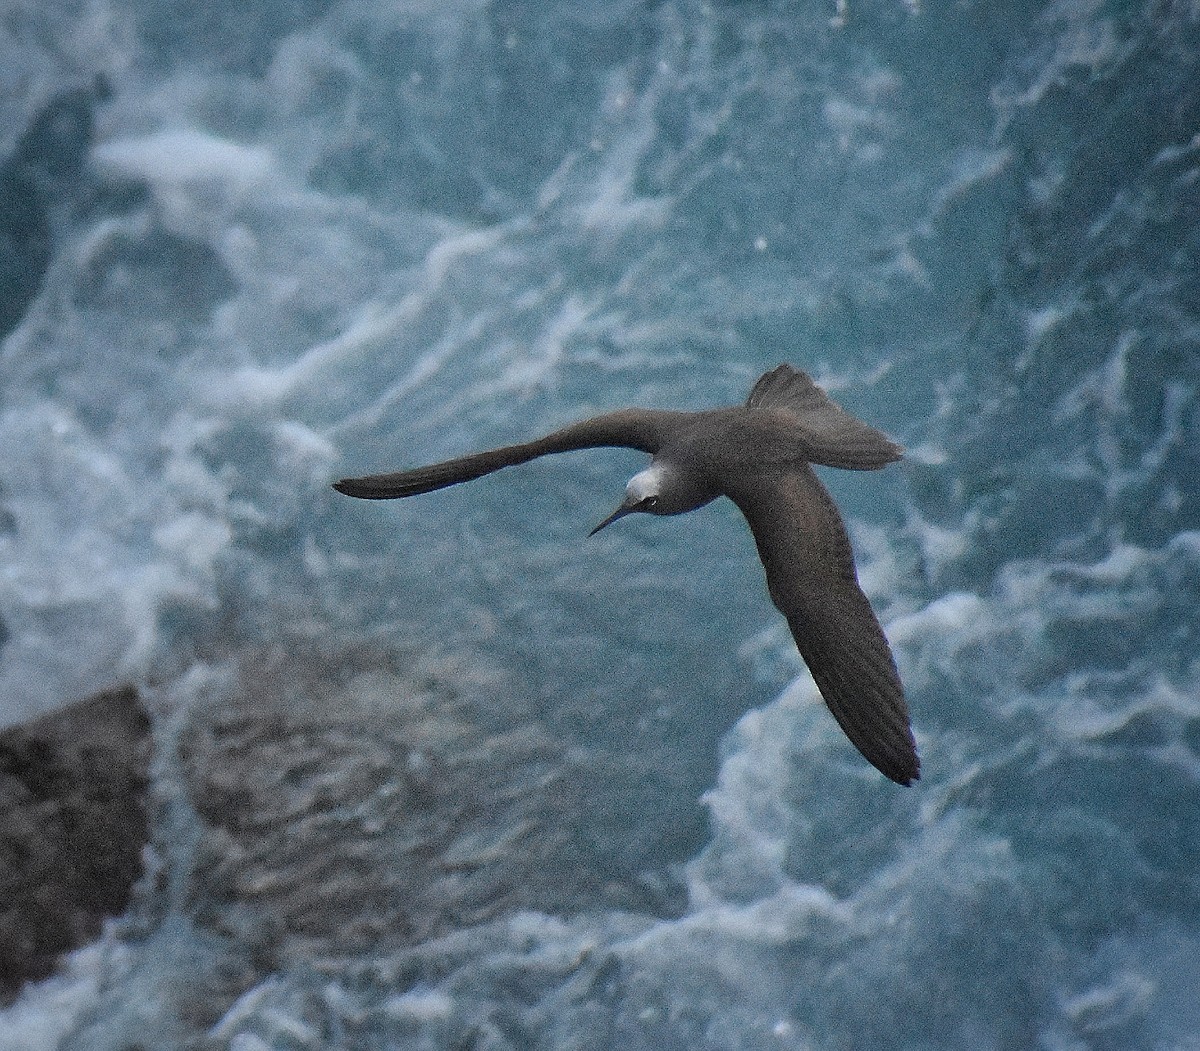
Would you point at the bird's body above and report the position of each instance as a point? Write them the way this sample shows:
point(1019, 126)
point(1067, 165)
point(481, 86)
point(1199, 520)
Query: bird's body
point(758, 455)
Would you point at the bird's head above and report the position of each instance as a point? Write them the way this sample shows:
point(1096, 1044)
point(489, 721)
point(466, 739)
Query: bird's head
point(643, 493)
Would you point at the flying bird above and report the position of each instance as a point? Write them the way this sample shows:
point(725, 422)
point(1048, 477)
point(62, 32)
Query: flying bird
point(759, 455)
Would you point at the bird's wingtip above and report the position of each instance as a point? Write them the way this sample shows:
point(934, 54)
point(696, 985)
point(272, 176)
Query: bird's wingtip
point(907, 773)
point(361, 488)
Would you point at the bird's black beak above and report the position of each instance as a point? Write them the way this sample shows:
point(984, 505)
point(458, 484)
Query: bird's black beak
point(620, 512)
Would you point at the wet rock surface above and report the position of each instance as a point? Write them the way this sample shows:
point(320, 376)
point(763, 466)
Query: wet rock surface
point(382, 816)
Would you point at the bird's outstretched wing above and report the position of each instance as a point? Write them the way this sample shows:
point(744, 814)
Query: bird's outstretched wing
point(832, 436)
point(644, 429)
point(811, 577)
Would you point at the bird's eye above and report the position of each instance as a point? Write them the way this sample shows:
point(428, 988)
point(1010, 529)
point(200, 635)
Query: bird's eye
point(648, 503)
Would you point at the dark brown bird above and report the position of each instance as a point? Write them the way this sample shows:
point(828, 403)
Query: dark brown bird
point(759, 455)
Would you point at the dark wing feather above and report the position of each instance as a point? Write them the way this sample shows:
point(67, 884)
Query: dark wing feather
point(832, 436)
point(811, 577)
point(644, 429)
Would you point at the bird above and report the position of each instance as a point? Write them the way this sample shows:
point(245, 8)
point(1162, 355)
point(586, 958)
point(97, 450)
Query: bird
point(760, 455)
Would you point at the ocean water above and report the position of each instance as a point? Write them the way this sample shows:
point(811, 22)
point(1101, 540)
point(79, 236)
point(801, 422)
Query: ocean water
point(542, 793)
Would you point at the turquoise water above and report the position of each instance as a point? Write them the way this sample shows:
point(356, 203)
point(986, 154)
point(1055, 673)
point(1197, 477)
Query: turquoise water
point(249, 253)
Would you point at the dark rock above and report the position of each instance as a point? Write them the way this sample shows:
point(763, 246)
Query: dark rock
point(44, 170)
point(25, 241)
point(72, 827)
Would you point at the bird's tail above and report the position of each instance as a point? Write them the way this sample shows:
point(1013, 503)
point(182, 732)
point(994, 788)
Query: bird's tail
point(829, 434)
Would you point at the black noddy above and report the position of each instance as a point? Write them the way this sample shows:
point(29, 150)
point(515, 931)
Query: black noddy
point(759, 455)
